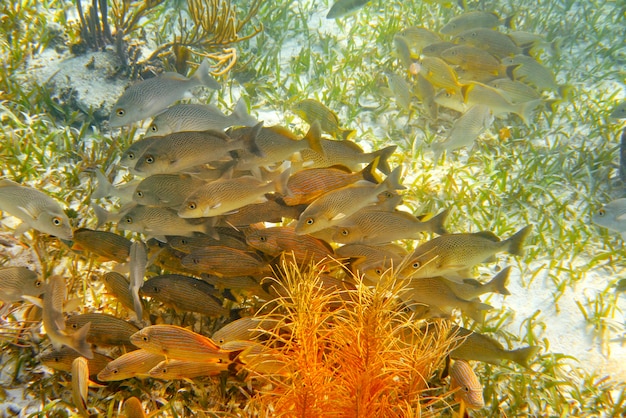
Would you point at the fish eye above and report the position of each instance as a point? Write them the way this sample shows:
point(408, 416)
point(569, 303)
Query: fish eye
point(74, 326)
point(57, 221)
point(128, 219)
point(145, 338)
point(115, 371)
point(474, 34)
point(156, 289)
point(195, 260)
point(601, 212)
point(345, 232)
point(416, 265)
point(154, 128)
point(378, 271)
point(262, 238)
point(309, 221)
point(149, 159)
point(466, 388)
point(38, 283)
point(191, 205)
point(120, 112)
point(139, 193)
point(184, 241)
point(131, 155)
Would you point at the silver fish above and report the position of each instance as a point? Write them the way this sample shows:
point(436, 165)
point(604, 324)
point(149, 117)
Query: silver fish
point(138, 265)
point(612, 216)
point(18, 281)
point(465, 130)
point(166, 190)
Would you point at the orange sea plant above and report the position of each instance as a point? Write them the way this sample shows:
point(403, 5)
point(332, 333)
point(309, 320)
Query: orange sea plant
point(350, 353)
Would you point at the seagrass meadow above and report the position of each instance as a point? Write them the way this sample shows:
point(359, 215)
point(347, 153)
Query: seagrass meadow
point(324, 338)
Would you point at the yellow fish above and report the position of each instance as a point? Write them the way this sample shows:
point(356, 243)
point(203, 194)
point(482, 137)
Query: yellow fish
point(439, 74)
point(311, 110)
point(276, 240)
point(466, 385)
point(80, 384)
point(496, 43)
point(166, 190)
point(62, 359)
point(183, 369)
point(225, 262)
point(472, 20)
point(132, 364)
point(348, 154)
point(133, 408)
point(18, 281)
point(106, 245)
point(105, 329)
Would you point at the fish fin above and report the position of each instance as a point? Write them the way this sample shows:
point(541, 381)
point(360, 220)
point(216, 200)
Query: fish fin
point(522, 356)
point(29, 211)
point(102, 215)
point(526, 109)
point(34, 300)
point(79, 341)
point(510, 71)
point(346, 134)
point(516, 242)
point(498, 283)
point(215, 206)
point(314, 136)
point(203, 76)
point(508, 22)
point(465, 89)
point(369, 172)
point(240, 115)
point(475, 310)
point(160, 238)
point(437, 223)
point(280, 184)
point(392, 182)
point(21, 228)
point(384, 154)
point(487, 235)
point(338, 217)
point(103, 186)
point(249, 140)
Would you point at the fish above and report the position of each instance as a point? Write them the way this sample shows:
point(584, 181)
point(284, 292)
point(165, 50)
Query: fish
point(466, 385)
point(457, 253)
point(612, 216)
point(54, 323)
point(528, 70)
point(471, 345)
point(133, 408)
point(479, 93)
point(104, 330)
point(496, 43)
point(469, 289)
point(16, 282)
point(224, 262)
point(311, 110)
point(276, 144)
point(198, 117)
point(372, 225)
point(178, 343)
point(242, 329)
point(465, 130)
point(227, 195)
point(166, 190)
point(403, 51)
point(400, 89)
point(372, 261)
point(132, 364)
point(440, 298)
point(227, 237)
point(328, 209)
point(276, 240)
point(419, 37)
point(159, 222)
point(472, 20)
point(439, 74)
point(131, 155)
point(304, 186)
point(514, 91)
point(348, 154)
point(619, 111)
point(185, 293)
point(35, 209)
point(437, 49)
point(62, 358)
point(451, 100)
point(118, 286)
point(80, 384)
point(138, 265)
point(180, 151)
point(104, 188)
point(106, 245)
point(152, 96)
point(274, 210)
point(470, 57)
point(425, 92)
point(342, 8)
point(183, 369)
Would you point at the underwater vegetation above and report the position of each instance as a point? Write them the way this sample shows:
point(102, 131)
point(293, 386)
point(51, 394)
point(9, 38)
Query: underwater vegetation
point(299, 334)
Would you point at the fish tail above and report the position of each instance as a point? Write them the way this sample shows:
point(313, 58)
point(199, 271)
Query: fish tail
point(369, 172)
point(526, 109)
point(392, 182)
point(475, 310)
point(79, 341)
point(314, 136)
point(516, 242)
point(250, 140)
point(510, 71)
point(438, 149)
point(104, 188)
point(499, 281)
point(347, 133)
point(240, 115)
point(522, 356)
point(280, 184)
point(204, 77)
point(508, 22)
point(102, 215)
point(437, 223)
point(384, 154)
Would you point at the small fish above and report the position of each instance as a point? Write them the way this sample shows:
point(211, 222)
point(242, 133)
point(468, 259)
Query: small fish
point(151, 97)
point(612, 216)
point(226, 195)
point(419, 37)
point(158, 222)
point(514, 91)
point(528, 70)
point(198, 117)
point(348, 154)
point(273, 210)
point(328, 209)
point(496, 43)
point(62, 358)
point(180, 151)
point(138, 265)
point(36, 209)
point(342, 8)
point(184, 369)
point(478, 93)
point(372, 260)
point(311, 110)
point(276, 240)
point(242, 329)
point(470, 57)
point(54, 323)
point(227, 237)
point(439, 74)
point(104, 330)
point(400, 89)
point(440, 298)
point(132, 364)
point(425, 92)
point(80, 384)
point(224, 262)
point(18, 281)
point(465, 130)
point(437, 49)
point(184, 293)
point(118, 286)
point(474, 346)
point(469, 289)
point(472, 20)
point(106, 245)
point(133, 408)
point(133, 153)
point(166, 190)
point(464, 381)
point(403, 51)
point(457, 253)
point(178, 343)
point(305, 186)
